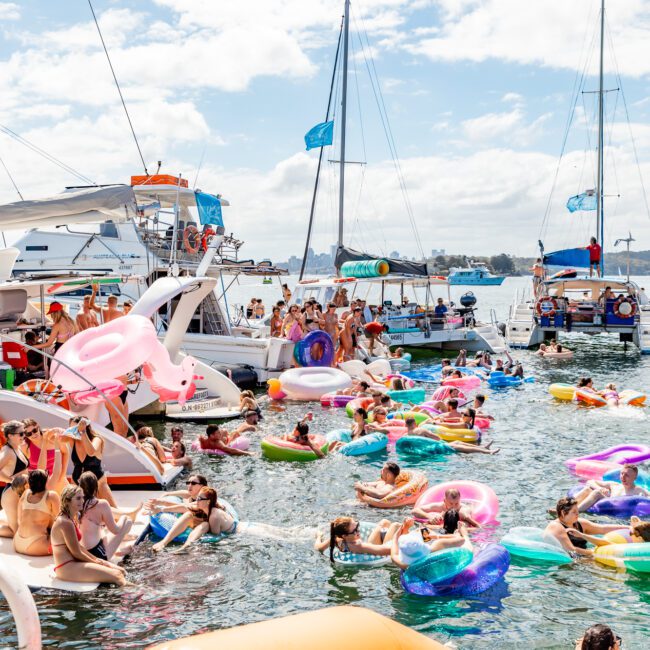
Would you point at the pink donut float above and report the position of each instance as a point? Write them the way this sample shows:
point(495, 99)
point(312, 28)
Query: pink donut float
point(619, 454)
point(338, 401)
point(468, 381)
point(443, 393)
point(594, 469)
point(242, 443)
point(480, 497)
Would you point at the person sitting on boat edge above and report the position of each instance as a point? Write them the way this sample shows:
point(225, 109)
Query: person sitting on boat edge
point(434, 512)
point(381, 488)
point(408, 547)
point(72, 561)
point(457, 445)
point(37, 510)
point(568, 527)
point(344, 535)
point(205, 515)
point(594, 491)
point(219, 439)
point(9, 503)
point(13, 460)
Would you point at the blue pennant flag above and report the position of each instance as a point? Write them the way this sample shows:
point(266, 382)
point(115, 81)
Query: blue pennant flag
point(209, 209)
point(320, 135)
point(584, 201)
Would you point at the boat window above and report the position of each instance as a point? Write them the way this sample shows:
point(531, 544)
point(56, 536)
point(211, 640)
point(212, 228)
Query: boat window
point(37, 248)
point(108, 229)
point(106, 290)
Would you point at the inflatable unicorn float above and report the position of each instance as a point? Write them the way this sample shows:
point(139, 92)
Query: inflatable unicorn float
point(94, 363)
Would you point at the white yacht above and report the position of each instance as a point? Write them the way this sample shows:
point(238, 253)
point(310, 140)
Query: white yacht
point(144, 232)
point(406, 305)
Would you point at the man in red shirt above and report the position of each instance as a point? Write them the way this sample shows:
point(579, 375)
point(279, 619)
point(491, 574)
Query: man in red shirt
point(594, 257)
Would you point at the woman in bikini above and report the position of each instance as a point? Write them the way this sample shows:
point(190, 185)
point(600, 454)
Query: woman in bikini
point(9, 504)
point(291, 325)
point(276, 323)
point(12, 455)
point(311, 319)
point(569, 527)
point(37, 510)
point(331, 324)
point(344, 535)
point(63, 328)
point(71, 560)
point(150, 446)
point(206, 515)
point(86, 456)
point(95, 516)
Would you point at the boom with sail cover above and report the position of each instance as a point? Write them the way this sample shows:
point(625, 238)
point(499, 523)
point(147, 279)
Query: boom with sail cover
point(88, 205)
point(344, 254)
point(568, 257)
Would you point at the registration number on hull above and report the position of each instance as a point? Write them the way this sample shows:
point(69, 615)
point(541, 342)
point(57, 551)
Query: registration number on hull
point(195, 407)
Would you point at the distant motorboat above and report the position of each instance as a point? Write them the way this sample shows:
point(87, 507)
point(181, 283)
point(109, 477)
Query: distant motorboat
point(477, 274)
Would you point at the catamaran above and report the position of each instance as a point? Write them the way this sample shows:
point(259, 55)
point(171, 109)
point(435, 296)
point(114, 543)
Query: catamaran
point(567, 299)
point(391, 296)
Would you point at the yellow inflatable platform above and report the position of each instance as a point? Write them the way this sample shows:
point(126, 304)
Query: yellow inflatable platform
point(324, 629)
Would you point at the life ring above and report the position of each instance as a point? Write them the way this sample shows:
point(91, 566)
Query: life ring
point(624, 308)
point(303, 350)
point(37, 388)
point(191, 245)
point(340, 280)
point(546, 306)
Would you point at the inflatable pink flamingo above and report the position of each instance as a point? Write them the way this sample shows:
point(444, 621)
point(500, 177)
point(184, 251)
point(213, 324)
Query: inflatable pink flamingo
point(102, 354)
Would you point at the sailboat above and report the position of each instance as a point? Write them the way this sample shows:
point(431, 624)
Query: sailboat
point(569, 300)
point(410, 318)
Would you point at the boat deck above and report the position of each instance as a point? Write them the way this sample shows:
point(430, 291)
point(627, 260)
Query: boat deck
point(38, 572)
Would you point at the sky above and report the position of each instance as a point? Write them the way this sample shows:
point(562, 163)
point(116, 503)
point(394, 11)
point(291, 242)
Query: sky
point(477, 97)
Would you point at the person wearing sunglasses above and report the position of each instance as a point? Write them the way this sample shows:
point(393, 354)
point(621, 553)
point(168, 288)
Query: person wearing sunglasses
point(12, 454)
point(599, 637)
point(205, 515)
point(193, 486)
point(345, 535)
point(292, 324)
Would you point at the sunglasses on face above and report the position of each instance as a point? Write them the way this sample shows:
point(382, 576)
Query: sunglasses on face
point(203, 498)
point(31, 432)
point(18, 433)
point(192, 483)
point(354, 531)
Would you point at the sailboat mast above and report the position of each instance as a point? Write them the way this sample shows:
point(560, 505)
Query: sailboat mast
point(344, 105)
point(600, 229)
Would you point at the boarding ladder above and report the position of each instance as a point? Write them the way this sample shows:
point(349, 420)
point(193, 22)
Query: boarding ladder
point(213, 322)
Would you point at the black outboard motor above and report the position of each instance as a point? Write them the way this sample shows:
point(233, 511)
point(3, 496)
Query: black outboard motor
point(467, 300)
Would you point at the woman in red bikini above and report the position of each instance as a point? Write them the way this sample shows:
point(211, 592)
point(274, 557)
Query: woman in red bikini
point(72, 561)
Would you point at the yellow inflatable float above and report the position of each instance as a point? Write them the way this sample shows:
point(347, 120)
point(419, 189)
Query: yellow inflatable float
point(334, 627)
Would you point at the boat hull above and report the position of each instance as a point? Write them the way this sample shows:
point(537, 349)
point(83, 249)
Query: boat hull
point(476, 282)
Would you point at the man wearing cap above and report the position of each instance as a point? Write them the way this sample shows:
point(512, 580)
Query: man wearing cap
point(110, 312)
point(86, 316)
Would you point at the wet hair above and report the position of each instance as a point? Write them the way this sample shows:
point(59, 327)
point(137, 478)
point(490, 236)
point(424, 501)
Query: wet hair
point(12, 427)
point(450, 521)
point(393, 468)
point(408, 421)
point(211, 428)
point(642, 530)
point(583, 381)
point(302, 428)
point(19, 483)
point(37, 480)
point(362, 412)
point(480, 399)
point(559, 347)
point(89, 485)
point(471, 413)
point(564, 505)
point(452, 493)
point(182, 446)
point(385, 399)
point(452, 403)
point(598, 637)
point(338, 528)
point(630, 466)
point(68, 493)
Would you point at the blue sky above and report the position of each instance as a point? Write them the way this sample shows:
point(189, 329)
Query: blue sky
point(477, 94)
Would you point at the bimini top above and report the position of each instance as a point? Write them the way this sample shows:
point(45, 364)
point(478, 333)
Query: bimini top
point(394, 279)
point(75, 205)
point(586, 283)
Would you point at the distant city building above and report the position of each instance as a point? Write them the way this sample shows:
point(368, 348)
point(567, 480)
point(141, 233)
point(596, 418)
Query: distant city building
point(437, 251)
point(316, 262)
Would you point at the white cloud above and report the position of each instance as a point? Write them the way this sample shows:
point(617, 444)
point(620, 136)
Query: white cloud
point(510, 127)
point(513, 98)
point(546, 32)
point(9, 11)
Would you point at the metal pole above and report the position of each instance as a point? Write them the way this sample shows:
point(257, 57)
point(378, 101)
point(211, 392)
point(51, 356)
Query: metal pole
point(600, 234)
point(320, 160)
point(344, 101)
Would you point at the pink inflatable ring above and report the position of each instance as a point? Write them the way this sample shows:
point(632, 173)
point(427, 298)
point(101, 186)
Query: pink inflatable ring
point(240, 443)
point(481, 498)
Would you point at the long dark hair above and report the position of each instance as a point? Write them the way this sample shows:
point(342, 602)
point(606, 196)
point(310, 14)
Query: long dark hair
point(472, 416)
point(338, 528)
point(450, 521)
point(90, 486)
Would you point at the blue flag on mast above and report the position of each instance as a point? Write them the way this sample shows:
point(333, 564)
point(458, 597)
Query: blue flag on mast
point(320, 135)
point(585, 201)
point(209, 207)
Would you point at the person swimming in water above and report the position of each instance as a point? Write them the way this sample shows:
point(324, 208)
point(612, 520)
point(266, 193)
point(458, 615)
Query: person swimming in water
point(457, 445)
point(434, 512)
point(345, 535)
point(381, 488)
point(594, 491)
point(300, 435)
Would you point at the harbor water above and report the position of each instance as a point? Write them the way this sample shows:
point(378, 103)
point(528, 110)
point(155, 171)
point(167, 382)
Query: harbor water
point(273, 570)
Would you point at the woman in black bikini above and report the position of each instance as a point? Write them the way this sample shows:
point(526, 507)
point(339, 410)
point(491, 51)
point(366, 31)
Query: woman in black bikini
point(86, 456)
point(569, 528)
point(12, 457)
point(344, 534)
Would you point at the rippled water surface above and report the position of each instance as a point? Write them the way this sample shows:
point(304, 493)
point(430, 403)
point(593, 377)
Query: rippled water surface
point(254, 577)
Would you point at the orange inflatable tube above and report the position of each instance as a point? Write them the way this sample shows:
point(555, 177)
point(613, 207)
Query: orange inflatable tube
point(324, 629)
